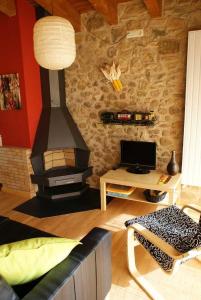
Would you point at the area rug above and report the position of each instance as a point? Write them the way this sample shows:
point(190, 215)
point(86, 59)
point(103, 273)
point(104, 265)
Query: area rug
point(41, 208)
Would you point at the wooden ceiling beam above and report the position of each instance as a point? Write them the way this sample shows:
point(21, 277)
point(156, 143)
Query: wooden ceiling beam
point(154, 7)
point(64, 9)
point(108, 8)
point(8, 8)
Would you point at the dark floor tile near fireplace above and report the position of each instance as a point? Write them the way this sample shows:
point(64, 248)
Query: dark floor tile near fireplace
point(41, 208)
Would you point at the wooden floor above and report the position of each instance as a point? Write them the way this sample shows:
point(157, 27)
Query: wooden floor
point(184, 285)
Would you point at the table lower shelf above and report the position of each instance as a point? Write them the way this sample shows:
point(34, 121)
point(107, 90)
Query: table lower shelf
point(138, 195)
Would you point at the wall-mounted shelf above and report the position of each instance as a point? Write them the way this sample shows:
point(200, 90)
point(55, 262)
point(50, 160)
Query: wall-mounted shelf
point(132, 122)
point(128, 118)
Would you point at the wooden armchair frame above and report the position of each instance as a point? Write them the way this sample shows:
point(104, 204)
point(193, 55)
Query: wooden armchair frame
point(178, 257)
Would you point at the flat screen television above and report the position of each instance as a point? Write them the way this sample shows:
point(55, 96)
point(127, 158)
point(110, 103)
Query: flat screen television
point(137, 153)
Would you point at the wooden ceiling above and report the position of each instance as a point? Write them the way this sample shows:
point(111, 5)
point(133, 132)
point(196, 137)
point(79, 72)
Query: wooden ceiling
point(7, 7)
point(72, 9)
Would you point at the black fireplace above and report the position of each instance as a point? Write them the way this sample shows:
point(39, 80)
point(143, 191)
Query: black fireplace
point(60, 155)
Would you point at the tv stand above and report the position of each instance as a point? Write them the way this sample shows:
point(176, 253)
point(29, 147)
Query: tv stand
point(140, 182)
point(138, 170)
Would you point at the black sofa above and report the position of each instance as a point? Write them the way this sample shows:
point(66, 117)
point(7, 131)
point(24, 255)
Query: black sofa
point(84, 275)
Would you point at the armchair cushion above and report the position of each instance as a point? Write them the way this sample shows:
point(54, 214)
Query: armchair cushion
point(173, 226)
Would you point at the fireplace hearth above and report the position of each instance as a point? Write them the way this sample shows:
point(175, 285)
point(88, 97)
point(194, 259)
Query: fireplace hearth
point(60, 155)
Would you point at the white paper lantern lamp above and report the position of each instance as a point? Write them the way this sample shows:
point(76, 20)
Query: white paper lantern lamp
point(54, 43)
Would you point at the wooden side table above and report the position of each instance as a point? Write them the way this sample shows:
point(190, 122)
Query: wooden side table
point(142, 181)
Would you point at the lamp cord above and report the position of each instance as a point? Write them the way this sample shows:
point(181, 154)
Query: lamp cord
point(52, 7)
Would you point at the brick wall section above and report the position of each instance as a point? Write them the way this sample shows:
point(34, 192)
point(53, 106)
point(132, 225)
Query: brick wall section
point(15, 168)
point(153, 76)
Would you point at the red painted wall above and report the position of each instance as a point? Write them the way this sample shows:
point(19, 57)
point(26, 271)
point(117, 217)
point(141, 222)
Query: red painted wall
point(13, 124)
point(33, 98)
point(18, 127)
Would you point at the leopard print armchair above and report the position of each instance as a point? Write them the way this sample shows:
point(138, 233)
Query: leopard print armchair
point(170, 236)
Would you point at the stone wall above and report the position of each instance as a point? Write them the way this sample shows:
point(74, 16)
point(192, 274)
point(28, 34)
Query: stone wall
point(153, 75)
point(15, 169)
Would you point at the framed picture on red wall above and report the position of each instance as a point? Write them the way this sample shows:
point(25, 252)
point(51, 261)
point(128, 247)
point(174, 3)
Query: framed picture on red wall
point(10, 92)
